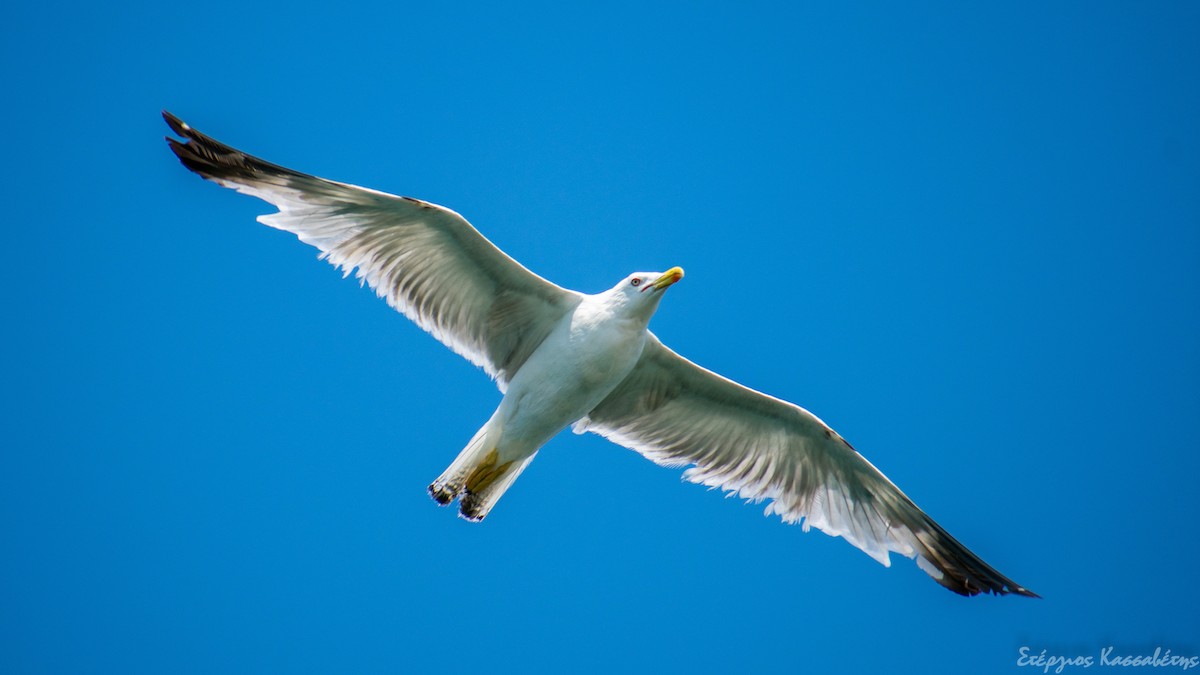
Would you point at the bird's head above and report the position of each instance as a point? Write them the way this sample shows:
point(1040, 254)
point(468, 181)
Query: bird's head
point(641, 292)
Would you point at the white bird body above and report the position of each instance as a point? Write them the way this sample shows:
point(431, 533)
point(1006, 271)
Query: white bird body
point(564, 358)
point(584, 358)
point(590, 351)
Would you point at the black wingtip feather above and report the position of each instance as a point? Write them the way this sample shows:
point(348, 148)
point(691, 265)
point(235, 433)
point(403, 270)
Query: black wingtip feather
point(965, 573)
point(199, 153)
point(177, 125)
point(214, 160)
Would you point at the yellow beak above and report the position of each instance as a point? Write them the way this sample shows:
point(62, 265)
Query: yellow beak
point(669, 277)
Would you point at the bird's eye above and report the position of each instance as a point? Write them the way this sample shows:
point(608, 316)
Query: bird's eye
point(636, 281)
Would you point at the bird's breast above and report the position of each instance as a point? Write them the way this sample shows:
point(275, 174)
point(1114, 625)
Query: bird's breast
point(575, 368)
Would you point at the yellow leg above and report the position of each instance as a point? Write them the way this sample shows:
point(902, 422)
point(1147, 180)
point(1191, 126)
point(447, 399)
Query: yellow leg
point(486, 472)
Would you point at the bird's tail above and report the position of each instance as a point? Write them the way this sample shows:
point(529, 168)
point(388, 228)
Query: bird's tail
point(480, 474)
point(475, 504)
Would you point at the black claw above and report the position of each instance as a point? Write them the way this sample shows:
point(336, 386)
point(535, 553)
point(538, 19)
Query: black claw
point(440, 494)
point(469, 506)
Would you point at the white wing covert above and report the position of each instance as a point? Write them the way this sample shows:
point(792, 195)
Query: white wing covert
point(427, 261)
point(761, 448)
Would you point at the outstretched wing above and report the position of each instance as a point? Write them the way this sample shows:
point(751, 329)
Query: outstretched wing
point(425, 260)
point(677, 413)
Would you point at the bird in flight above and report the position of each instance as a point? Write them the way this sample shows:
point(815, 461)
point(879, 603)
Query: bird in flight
point(562, 358)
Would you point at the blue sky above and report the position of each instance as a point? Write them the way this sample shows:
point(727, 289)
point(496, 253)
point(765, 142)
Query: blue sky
point(966, 237)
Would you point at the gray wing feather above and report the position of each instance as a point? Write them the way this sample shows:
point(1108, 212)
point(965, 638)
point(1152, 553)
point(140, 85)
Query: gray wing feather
point(425, 260)
point(761, 448)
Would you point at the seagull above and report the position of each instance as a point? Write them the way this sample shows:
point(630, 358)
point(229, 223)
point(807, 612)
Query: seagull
point(567, 359)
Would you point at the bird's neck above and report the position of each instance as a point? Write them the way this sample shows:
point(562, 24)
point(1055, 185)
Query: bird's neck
point(623, 308)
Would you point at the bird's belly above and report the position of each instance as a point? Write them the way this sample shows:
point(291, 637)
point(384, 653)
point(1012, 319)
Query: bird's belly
point(564, 380)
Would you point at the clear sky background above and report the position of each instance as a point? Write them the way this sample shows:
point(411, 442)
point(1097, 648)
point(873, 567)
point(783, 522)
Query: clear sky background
point(967, 238)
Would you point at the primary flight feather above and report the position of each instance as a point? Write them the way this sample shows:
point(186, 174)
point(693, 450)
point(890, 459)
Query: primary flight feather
point(563, 358)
